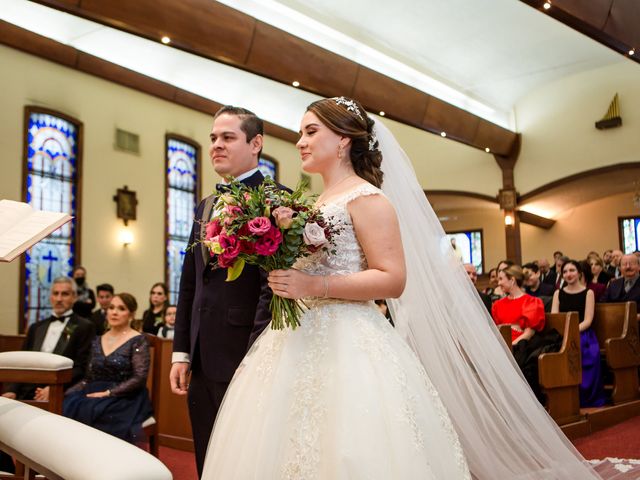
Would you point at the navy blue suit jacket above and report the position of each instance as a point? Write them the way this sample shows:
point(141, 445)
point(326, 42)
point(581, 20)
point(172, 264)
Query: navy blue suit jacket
point(615, 292)
point(217, 321)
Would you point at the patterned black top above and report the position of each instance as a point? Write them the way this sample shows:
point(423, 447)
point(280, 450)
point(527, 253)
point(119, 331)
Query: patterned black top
point(127, 366)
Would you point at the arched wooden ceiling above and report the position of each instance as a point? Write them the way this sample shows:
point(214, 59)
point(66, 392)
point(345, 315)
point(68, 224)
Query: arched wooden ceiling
point(220, 33)
point(614, 23)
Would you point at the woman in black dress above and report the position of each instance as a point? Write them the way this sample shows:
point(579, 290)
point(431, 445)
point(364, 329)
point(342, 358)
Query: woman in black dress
point(153, 317)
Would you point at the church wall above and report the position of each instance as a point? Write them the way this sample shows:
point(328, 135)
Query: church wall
point(557, 121)
point(102, 106)
point(577, 231)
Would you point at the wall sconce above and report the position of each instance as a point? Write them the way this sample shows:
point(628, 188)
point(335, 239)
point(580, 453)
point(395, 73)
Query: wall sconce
point(126, 236)
point(508, 220)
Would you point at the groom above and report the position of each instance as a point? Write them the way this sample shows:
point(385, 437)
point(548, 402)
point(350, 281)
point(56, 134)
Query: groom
point(217, 321)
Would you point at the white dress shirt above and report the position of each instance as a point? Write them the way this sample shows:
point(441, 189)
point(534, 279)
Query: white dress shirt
point(53, 333)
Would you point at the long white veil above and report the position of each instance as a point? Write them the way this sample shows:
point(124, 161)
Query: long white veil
point(505, 432)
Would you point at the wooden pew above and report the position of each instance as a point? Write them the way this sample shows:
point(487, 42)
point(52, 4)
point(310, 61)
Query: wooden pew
point(616, 327)
point(560, 373)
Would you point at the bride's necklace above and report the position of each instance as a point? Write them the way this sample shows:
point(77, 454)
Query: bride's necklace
point(324, 194)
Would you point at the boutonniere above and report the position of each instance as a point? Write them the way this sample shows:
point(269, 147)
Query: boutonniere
point(68, 330)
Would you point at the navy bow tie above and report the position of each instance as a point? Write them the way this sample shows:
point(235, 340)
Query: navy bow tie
point(222, 187)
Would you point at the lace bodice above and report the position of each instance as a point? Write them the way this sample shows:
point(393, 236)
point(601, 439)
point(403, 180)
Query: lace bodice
point(348, 256)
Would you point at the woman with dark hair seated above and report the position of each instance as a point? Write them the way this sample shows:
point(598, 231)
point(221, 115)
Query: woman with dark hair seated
point(576, 297)
point(587, 279)
point(153, 317)
point(525, 314)
point(113, 397)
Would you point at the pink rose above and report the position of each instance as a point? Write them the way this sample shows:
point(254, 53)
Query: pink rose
point(283, 216)
point(313, 234)
point(268, 244)
point(230, 245)
point(259, 225)
point(213, 229)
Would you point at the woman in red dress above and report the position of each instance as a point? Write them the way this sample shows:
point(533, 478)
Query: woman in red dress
point(522, 311)
point(525, 314)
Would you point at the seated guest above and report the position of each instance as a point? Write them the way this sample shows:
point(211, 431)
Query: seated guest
point(560, 261)
point(525, 315)
point(533, 285)
point(547, 275)
point(586, 279)
point(86, 299)
point(576, 297)
point(497, 292)
point(614, 267)
point(473, 275)
point(64, 333)
point(153, 317)
point(493, 282)
point(166, 331)
point(113, 396)
point(627, 287)
point(99, 316)
point(606, 258)
point(597, 270)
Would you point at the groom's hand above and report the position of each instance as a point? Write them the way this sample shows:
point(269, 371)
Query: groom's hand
point(178, 378)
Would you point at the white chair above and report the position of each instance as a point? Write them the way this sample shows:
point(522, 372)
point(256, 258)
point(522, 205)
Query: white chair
point(61, 448)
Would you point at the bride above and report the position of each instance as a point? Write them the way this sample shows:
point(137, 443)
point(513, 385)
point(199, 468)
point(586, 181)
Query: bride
point(347, 396)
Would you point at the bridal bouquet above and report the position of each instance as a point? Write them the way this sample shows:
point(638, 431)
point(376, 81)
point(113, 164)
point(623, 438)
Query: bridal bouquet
point(270, 228)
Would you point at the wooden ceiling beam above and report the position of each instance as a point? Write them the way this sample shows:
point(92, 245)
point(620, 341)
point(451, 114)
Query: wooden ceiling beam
point(220, 33)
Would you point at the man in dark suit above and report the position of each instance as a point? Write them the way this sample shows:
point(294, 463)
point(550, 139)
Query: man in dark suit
point(217, 321)
point(614, 268)
point(473, 275)
point(105, 293)
point(63, 333)
point(547, 275)
point(627, 287)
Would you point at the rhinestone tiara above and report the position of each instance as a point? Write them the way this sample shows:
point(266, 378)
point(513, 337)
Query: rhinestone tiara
point(349, 105)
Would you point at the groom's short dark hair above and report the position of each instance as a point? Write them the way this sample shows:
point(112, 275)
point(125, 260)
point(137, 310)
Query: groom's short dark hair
point(250, 123)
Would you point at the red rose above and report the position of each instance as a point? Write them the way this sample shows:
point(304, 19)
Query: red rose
point(213, 229)
point(231, 249)
point(268, 244)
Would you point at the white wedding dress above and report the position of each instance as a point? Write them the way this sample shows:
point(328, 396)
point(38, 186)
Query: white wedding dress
point(341, 397)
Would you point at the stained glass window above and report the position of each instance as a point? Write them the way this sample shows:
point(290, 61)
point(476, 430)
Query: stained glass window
point(182, 197)
point(269, 167)
point(51, 177)
point(468, 246)
point(629, 234)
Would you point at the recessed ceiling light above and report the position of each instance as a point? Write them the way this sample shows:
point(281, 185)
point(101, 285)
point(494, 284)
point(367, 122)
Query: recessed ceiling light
point(487, 150)
point(443, 134)
point(382, 114)
point(295, 83)
point(166, 40)
point(546, 5)
point(632, 51)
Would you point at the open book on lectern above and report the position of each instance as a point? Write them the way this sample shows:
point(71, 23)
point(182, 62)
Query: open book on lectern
point(21, 227)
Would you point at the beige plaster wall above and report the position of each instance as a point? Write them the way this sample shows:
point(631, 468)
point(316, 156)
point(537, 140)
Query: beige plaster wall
point(592, 226)
point(557, 121)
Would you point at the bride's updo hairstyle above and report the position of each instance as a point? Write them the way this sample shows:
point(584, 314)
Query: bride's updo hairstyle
point(346, 117)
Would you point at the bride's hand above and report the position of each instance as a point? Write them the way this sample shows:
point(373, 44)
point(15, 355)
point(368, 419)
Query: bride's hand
point(294, 284)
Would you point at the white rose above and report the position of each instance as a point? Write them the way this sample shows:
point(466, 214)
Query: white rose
point(314, 235)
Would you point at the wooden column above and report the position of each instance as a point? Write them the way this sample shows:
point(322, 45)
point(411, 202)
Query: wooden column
point(508, 198)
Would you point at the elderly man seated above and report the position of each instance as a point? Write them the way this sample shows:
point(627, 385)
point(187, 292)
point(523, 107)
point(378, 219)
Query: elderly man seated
point(63, 333)
point(627, 287)
point(473, 275)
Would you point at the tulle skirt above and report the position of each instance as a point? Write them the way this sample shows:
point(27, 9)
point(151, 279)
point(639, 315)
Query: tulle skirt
point(341, 397)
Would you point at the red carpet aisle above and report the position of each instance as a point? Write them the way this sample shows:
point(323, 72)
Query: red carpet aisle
point(621, 441)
